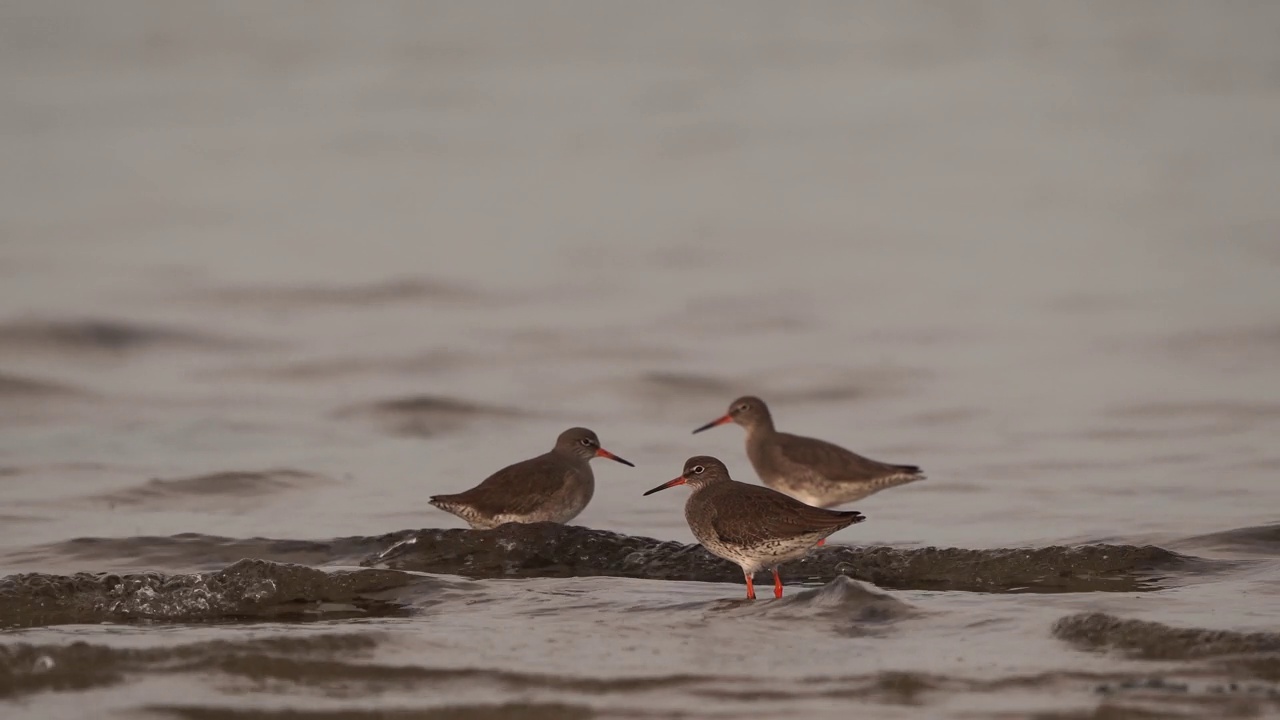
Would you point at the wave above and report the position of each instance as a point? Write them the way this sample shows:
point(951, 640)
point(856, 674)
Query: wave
point(1257, 540)
point(97, 336)
point(422, 415)
point(248, 589)
point(1157, 641)
point(17, 387)
point(504, 711)
point(192, 551)
point(549, 550)
point(375, 294)
point(239, 486)
point(345, 664)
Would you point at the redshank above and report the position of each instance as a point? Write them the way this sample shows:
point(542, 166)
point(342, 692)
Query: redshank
point(750, 525)
point(812, 471)
point(553, 487)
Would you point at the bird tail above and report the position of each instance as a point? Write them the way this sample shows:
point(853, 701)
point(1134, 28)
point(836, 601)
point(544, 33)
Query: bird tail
point(908, 469)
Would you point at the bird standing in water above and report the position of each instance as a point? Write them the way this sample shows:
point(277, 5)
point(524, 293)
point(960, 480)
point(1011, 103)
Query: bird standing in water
point(812, 471)
point(553, 487)
point(755, 527)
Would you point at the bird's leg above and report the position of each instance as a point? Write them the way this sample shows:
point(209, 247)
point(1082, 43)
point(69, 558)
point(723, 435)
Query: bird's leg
point(777, 584)
point(751, 586)
point(822, 542)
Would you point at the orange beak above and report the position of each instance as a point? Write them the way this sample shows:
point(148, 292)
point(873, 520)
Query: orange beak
point(606, 454)
point(713, 423)
point(665, 485)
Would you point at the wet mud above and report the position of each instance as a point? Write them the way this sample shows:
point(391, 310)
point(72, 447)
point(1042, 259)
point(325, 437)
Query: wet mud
point(198, 551)
point(246, 590)
point(1226, 674)
point(1157, 641)
point(270, 585)
point(549, 550)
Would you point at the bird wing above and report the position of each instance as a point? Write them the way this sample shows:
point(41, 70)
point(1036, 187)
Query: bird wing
point(518, 489)
point(833, 462)
point(750, 514)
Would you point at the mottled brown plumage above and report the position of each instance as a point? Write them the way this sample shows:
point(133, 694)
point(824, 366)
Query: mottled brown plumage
point(813, 471)
point(553, 487)
point(755, 527)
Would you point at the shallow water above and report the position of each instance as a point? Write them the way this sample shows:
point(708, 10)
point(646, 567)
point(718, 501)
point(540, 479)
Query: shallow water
point(272, 275)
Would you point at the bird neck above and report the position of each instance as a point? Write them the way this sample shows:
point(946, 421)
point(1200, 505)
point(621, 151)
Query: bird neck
point(696, 488)
point(570, 456)
point(762, 428)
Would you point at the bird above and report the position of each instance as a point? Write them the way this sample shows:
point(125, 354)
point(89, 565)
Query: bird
point(753, 526)
point(552, 487)
point(812, 471)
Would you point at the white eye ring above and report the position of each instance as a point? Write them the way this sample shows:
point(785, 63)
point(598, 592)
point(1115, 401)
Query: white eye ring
point(585, 441)
point(698, 470)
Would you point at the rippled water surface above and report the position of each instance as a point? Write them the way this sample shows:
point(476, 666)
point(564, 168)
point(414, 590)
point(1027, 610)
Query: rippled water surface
point(273, 274)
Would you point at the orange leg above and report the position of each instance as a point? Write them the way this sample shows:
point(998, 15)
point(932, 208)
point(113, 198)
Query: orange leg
point(751, 586)
point(822, 542)
point(777, 584)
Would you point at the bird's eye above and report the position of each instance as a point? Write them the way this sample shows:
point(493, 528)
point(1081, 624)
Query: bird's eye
point(586, 441)
point(742, 407)
point(697, 470)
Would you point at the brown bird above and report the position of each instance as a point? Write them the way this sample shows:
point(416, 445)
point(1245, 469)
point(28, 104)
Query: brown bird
point(812, 471)
point(553, 487)
point(750, 525)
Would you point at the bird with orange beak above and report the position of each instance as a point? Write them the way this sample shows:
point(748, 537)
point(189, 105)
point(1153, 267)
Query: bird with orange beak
point(810, 470)
point(755, 527)
point(553, 487)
